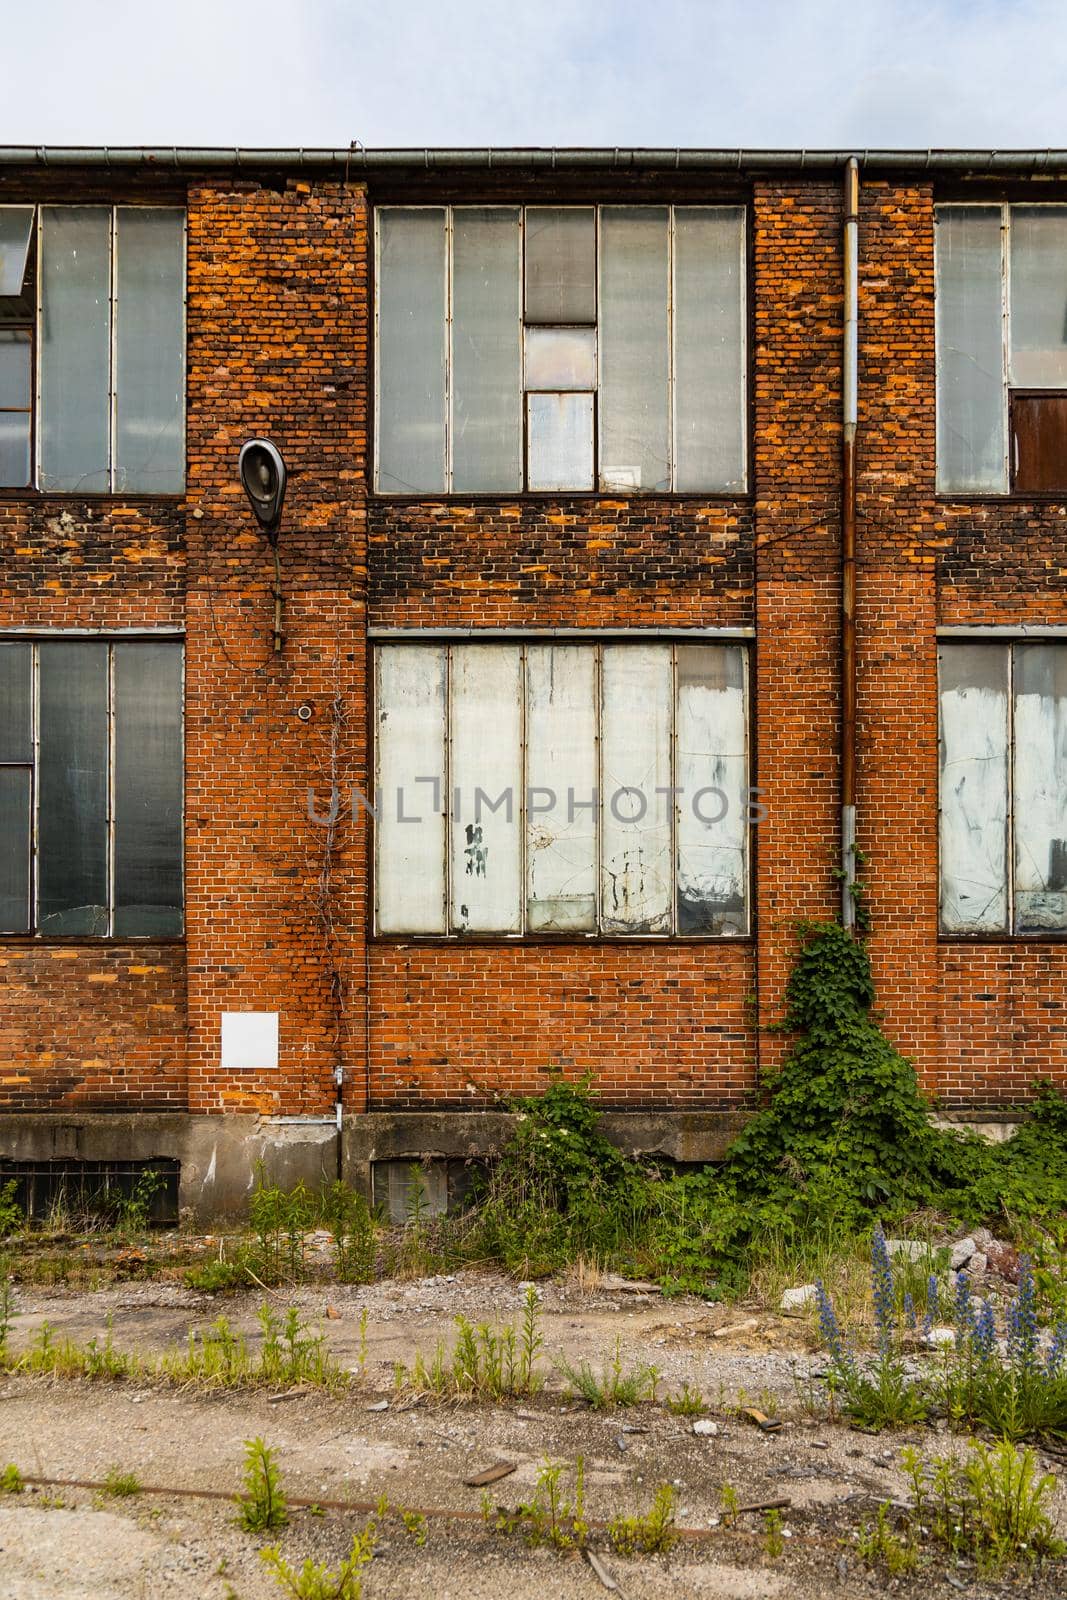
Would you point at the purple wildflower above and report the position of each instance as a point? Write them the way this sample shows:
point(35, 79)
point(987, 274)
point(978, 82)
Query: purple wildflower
point(963, 1311)
point(1023, 1336)
point(832, 1338)
point(882, 1286)
point(1056, 1359)
point(985, 1334)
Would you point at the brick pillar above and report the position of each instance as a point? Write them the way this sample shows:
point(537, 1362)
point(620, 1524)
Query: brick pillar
point(277, 346)
point(797, 288)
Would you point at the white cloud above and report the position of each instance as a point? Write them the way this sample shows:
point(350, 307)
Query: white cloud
point(681, 72)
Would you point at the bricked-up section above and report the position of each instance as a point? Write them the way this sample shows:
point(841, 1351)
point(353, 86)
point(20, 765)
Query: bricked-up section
point(897, 669)
point(278, 347)
point(92, 1027)
point(573, 562)
point(797, 319)
point(69, 563)
point(665, 1025)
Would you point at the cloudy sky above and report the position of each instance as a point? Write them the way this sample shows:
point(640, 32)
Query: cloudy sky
point(604, 72)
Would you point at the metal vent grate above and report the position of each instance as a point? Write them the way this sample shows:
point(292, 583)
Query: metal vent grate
point(99, 1190)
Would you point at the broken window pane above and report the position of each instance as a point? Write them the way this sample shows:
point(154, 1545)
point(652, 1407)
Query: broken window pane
point(561, 781)
point(16, 231)
point(14, 849)
point(560, 358)
point(709, 355)
point(974, 788)
point(1039, 297)
point(1040, 790)
point(634, 348)
point(149, 350)
point(75, 335)
point(971, 451)
point(147, 785)
point(560, 264)
point(409, 830)
point(412, 341)
point(486, 348)
point(72, 788)
point(711, 775)
point(16, 702)
point(637, 869)
point(486, 788)
point(559, 441)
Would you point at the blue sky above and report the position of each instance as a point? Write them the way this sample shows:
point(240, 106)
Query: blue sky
point(454, 72)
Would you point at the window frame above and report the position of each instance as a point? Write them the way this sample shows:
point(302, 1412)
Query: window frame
point(744, 491)
point(741, 637)
point(1009, 388)
point(110, 637)
point(1008, 641)
point(34, 324)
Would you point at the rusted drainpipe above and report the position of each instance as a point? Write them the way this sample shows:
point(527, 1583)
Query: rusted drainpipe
point(850, 415)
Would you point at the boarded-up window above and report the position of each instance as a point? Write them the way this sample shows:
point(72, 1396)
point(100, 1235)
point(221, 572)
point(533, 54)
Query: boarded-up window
point(1039, 443)
point(560, 347)
point(1003, 787)
point(91, 766)
point(564, 788)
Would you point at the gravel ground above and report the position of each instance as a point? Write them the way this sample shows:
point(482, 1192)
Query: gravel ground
point(166, 1546)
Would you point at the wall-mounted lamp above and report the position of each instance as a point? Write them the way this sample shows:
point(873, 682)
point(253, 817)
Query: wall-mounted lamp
point(264, 478)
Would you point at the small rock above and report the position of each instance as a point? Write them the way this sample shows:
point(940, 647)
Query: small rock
point(796, 1299)
point(941, 1338)
point(379, 1405)
point(705, 1429)
point(910, 1249)
point(978, 1263)
point(982, 1238)
point(333, 1313)
point(962, 1252)
point(750, 1325)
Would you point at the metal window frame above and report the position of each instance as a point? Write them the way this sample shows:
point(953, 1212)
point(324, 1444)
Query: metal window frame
point(380, 639)
point(34, 637)
point(113, 317)
point(598, 488)
point(27, 324)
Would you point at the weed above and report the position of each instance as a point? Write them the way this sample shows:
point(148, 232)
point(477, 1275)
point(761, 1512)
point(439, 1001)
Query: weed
point(550, 1517)
point(361, 1349)
point(135, 1208)
point(291, 1353)
point(415, 1523)
point(878, 1545)
point(316, 1581)
point(731, 1501)
point(279, 1219)
point(7, 1306)
point(651, 1534)
point(497, 1363)
point(121, 1485)
point(11, 1215)
point(217, 1275)
point(262, 1505)
point(686, 1403)
point(11, 1479)
point(348, 1218)
point(611, 1386)
point(773, 1534)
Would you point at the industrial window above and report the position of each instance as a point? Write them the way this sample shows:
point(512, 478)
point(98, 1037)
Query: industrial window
point(560, 348)
point(91, 787)
point(1003, 788)
point(109, 322)
point(559, 788)
point(1002, 348)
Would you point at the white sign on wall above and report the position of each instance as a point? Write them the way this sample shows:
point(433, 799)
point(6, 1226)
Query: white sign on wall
point(249, 1041)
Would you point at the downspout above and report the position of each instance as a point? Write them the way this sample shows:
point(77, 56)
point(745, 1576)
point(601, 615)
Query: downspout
point(850, 417)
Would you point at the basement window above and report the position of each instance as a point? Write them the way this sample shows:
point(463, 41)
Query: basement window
point(1003, 795)
point(91, 764)
point(1002, 349)
point(543, 788)
point(105, 309)
point(560, 348)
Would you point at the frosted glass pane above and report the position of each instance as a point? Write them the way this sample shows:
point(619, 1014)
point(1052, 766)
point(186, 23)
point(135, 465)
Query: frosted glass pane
point(560, 358)
point(559, 429)
point(560, 264)
point(148, 789)
point(149, 350)
point(75, 335)
point(16, 229)
point(16, 704)
point(486, 788)
point(970, 360)
point(409, 832)
point(974, 788)
point(412, 336)
point(711, 774)
point(634, 349)
point(561, 780)
point(14, 849)
point(72, 788)
point(709, 354)
point(486, 349)
point(15, 351)
point(1040, 789)
point(637, 867)
point(1039, 297)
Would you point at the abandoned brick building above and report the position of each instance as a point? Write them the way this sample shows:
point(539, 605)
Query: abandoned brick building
point(656, 524)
